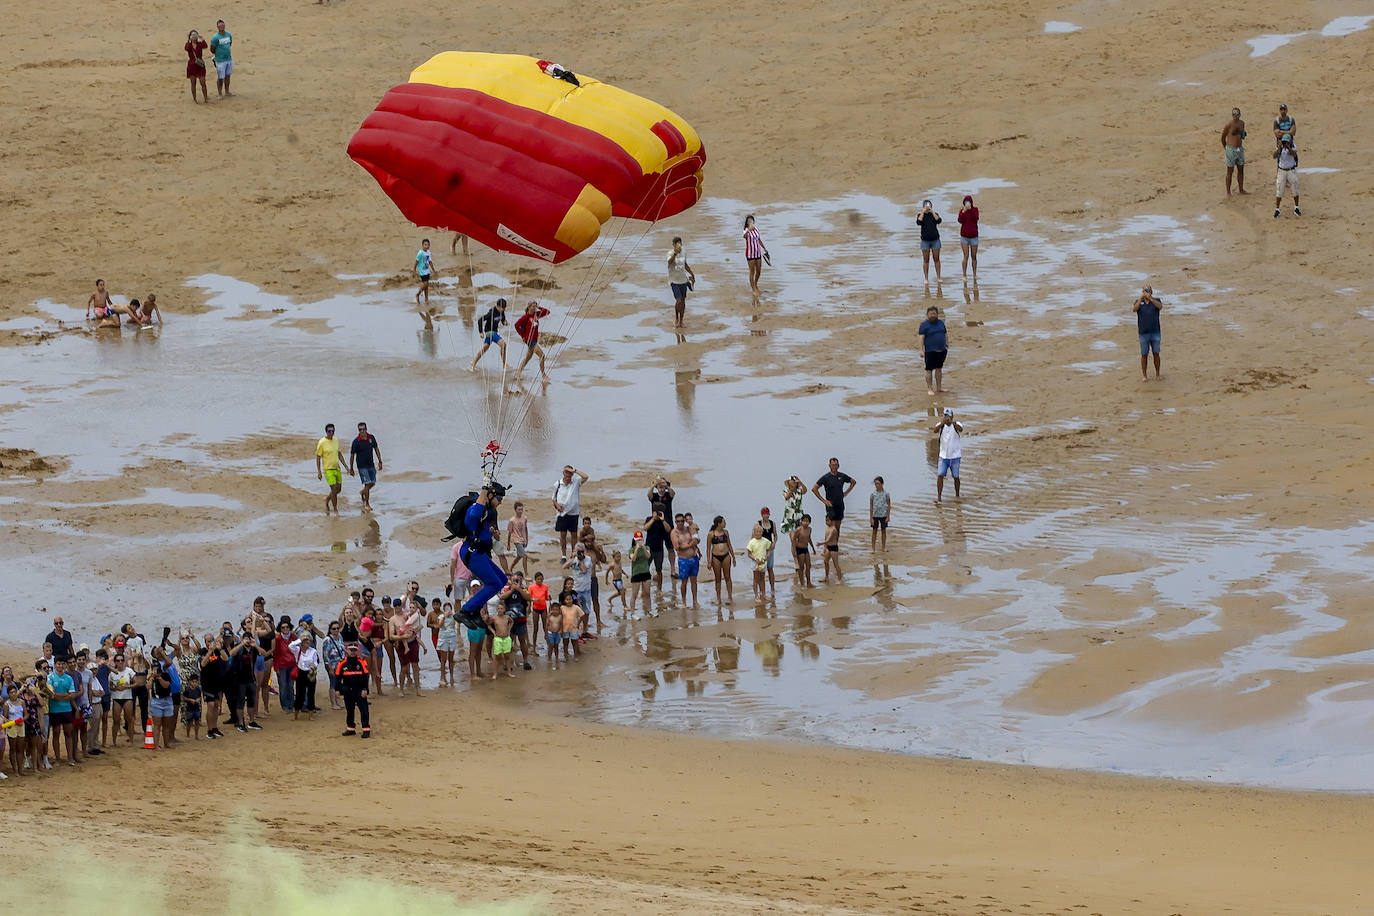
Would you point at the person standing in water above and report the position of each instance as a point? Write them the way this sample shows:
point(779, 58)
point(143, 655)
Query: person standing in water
point(489, 325)
point(837, 486)
point(527, 327)
point(681, 278)
point(754, 253)
point(929, 221)
point(328, 468)
point(968, 233)
point(1233, 143)
point(951, 452)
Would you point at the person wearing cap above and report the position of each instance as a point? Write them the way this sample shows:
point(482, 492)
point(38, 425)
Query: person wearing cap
point(1287, 176)
point(481, 523)
point(352, 676)
point(1233, 143)
point(1284, 124)
point(567, 502)
point(1147, 309)
point(951, 451)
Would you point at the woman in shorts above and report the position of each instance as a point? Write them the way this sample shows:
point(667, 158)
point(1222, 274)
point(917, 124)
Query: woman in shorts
point(929, 221)
point(968, 233)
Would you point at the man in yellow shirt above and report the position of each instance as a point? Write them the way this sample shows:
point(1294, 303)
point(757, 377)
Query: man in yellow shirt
point(328, 469)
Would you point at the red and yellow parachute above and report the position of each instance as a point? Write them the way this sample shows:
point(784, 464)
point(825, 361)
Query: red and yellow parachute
point(494, 147)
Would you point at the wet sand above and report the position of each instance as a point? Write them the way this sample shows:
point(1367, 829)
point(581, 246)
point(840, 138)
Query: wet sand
point(1161, 578)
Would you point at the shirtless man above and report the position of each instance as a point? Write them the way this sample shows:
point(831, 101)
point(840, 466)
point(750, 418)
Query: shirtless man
point(101, 306)
point(685, 544)
point(1233, 142)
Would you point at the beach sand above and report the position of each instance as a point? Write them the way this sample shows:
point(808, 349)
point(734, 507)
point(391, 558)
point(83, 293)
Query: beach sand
point(1259, 430)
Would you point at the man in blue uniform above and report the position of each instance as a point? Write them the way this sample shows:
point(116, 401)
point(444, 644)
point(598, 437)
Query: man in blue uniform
point(481, 524)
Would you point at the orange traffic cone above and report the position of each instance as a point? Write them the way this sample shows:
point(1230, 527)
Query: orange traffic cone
point(148, 742)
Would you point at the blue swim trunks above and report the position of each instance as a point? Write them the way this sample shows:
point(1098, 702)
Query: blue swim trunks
point(368, 476)
point(491, 337)
point(553, 638)
point(476, 636)
point(948, 466)
point(688, 567)
point(1149, 343)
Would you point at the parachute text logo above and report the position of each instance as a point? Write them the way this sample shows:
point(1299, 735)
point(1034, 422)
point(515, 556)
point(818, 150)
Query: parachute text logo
point(524, 156)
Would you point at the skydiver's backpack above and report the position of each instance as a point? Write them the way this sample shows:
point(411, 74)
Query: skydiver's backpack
point(457, 523)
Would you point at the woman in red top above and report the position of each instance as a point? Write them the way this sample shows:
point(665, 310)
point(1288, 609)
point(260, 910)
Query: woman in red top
point(968, 233)
point(527, 326)
point(195, 64)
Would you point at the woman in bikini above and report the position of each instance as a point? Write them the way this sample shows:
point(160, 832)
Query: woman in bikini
point(722, 554)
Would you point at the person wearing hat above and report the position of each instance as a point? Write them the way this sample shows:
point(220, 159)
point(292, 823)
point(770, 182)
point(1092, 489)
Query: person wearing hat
point(951, 433)
point(481, 524)
point(1284, 124)
point(1287, 176)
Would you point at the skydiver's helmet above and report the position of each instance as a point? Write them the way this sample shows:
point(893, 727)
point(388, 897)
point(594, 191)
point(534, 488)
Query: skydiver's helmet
point(496, 489)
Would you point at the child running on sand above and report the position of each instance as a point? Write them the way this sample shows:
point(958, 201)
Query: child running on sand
point(539, 609)
point(553, 634)
point(615, 577)
point(802, 547)
point(572, 618)
point(501, 624)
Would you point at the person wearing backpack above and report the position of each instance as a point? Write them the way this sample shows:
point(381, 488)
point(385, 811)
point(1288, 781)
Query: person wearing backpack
point(478, 528)
point(489, 326)
point(1287, 175)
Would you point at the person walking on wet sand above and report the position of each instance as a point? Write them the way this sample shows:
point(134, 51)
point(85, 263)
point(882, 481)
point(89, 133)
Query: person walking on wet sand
point(681, 278)
point(220, 43)
point(1233, 143)
point(755, 253)
point(329, 469)
point(527, 327)
point(934, 338)
point(802, 546)
point(424, 269)
point(929, 221)
point(1147, 309)
point(360, 459)
point(489, 326)
point(951, 452)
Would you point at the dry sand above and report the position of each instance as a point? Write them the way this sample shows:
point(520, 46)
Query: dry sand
point(111, 171)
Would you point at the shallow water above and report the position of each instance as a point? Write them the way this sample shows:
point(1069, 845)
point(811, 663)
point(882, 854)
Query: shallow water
point(1055, 27)
point(934, 657)
point(1265, 45)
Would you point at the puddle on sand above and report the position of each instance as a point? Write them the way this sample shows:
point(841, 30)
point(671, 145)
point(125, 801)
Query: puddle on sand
point(1265, 45)
point(1055, 27)
point(1346, 25)
point(930, 658)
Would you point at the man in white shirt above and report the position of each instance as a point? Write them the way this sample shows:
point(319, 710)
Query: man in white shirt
point(680, 279)
point(567, 502)
point(951, 451)
point(1287, 177)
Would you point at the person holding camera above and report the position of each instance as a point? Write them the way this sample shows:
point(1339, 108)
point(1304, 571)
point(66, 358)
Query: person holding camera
point(567, 502)
point(929, 221)
point(1147, 309)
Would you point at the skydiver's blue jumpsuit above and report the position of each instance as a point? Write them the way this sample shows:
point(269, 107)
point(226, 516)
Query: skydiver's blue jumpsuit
point(476, 556)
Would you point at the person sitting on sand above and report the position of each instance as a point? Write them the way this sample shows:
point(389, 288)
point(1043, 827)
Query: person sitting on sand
point(101, 306)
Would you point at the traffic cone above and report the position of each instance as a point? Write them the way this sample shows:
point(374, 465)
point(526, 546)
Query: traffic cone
point(148, 742)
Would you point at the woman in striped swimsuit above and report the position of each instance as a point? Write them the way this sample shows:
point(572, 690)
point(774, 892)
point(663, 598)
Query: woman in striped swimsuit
point(754, 252)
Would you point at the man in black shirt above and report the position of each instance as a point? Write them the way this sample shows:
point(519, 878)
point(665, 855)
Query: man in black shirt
point(658, 536)
point(59, 639)
point(837, 486)
point(661, 501)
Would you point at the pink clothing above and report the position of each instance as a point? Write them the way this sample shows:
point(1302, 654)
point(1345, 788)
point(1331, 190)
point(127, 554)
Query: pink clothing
point(753, 244)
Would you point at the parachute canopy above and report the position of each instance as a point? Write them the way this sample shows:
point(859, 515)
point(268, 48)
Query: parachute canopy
point(495, 147)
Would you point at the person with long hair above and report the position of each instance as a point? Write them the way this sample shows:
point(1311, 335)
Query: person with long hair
point(968, 233)
point(195, 63)
point(754, 252)
point(722, 556)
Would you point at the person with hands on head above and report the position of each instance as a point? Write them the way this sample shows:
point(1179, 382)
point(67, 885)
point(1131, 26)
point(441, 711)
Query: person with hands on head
point(929, 222)
point(195, 64)
point(1147, 309)
point(567, 502)
point(681, 278)
point(951, 452)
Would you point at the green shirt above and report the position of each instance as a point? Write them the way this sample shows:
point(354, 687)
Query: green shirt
point(219, 44)
point(639, 561)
